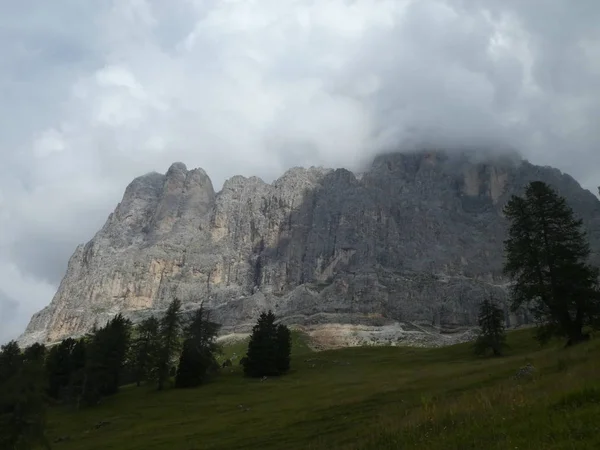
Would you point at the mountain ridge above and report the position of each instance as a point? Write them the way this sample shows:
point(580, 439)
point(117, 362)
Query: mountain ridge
point(400, 253)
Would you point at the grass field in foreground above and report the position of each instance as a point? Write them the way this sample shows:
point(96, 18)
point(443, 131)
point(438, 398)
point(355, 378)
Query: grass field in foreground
point(364, 398)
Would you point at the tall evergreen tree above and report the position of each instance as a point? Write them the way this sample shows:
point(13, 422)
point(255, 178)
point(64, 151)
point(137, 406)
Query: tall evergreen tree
point(105, 359)
point(262, 348)
point(77, 371)
point(170, 337)
point(11, 360)
point(144, 349)
point(22, 400)
point(268, 349)
point(197, 358)
point(547, 258)
point(492, 335)
point(35, 352)
point(61, 366)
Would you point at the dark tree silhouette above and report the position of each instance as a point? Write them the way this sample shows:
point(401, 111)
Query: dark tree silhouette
point(268, 349)
point(197, 358)
point(106, 357)
point(170, 336)
point(22, 399)
point(11, 361)
point(547, 259)
point(144, 349)
point(492, 335)
point(64, 367)
point(35, 353)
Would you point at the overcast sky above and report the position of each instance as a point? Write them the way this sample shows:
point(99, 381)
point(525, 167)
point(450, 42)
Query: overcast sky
point(94, 93)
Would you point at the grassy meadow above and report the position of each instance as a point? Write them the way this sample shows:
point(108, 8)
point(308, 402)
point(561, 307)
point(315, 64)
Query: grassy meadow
point(362, 398)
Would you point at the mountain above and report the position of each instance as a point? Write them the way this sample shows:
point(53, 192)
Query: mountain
point(402, 252)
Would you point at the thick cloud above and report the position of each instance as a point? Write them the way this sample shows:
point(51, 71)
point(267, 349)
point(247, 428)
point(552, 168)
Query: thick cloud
point(96, 93)
point(18, 295)
point(8, 308)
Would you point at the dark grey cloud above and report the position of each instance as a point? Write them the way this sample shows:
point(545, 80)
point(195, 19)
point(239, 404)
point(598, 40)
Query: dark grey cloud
point(96, 93)
point(8, 311)
point(48, 265)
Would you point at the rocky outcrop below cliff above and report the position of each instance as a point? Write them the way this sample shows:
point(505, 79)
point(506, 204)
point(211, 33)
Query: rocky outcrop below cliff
point(405, 250)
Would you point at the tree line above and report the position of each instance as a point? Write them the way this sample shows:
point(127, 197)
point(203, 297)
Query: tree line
point(165, 352)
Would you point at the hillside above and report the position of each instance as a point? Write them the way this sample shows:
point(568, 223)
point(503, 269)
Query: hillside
point(401, 253)
point(374, 398)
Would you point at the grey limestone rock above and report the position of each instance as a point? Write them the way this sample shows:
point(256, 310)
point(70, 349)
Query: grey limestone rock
point(406, 249)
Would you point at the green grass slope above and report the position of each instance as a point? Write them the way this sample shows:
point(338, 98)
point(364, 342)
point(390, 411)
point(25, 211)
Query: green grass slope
point(363, 398)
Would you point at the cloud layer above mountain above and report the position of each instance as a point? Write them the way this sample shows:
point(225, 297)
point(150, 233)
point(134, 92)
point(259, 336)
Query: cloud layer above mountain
point(96, 93)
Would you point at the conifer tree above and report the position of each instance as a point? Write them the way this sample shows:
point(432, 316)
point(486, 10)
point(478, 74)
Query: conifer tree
point(35, 352)
point(61, 365)
point(11, 360)
point(197, 358)
point(144, 349)
point(170, 336)
point(22, 399)
point(547, 259)
point(105, 359)
point(77, 371)
point(492, 335)
point(268, 349)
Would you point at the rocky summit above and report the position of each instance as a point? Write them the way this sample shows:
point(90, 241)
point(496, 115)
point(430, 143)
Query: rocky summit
point(402, 253)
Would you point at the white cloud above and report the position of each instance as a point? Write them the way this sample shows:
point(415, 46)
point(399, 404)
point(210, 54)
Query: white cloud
point(100, 92)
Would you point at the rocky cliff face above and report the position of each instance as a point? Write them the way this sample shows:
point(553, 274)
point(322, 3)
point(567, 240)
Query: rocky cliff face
point(402, 252)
